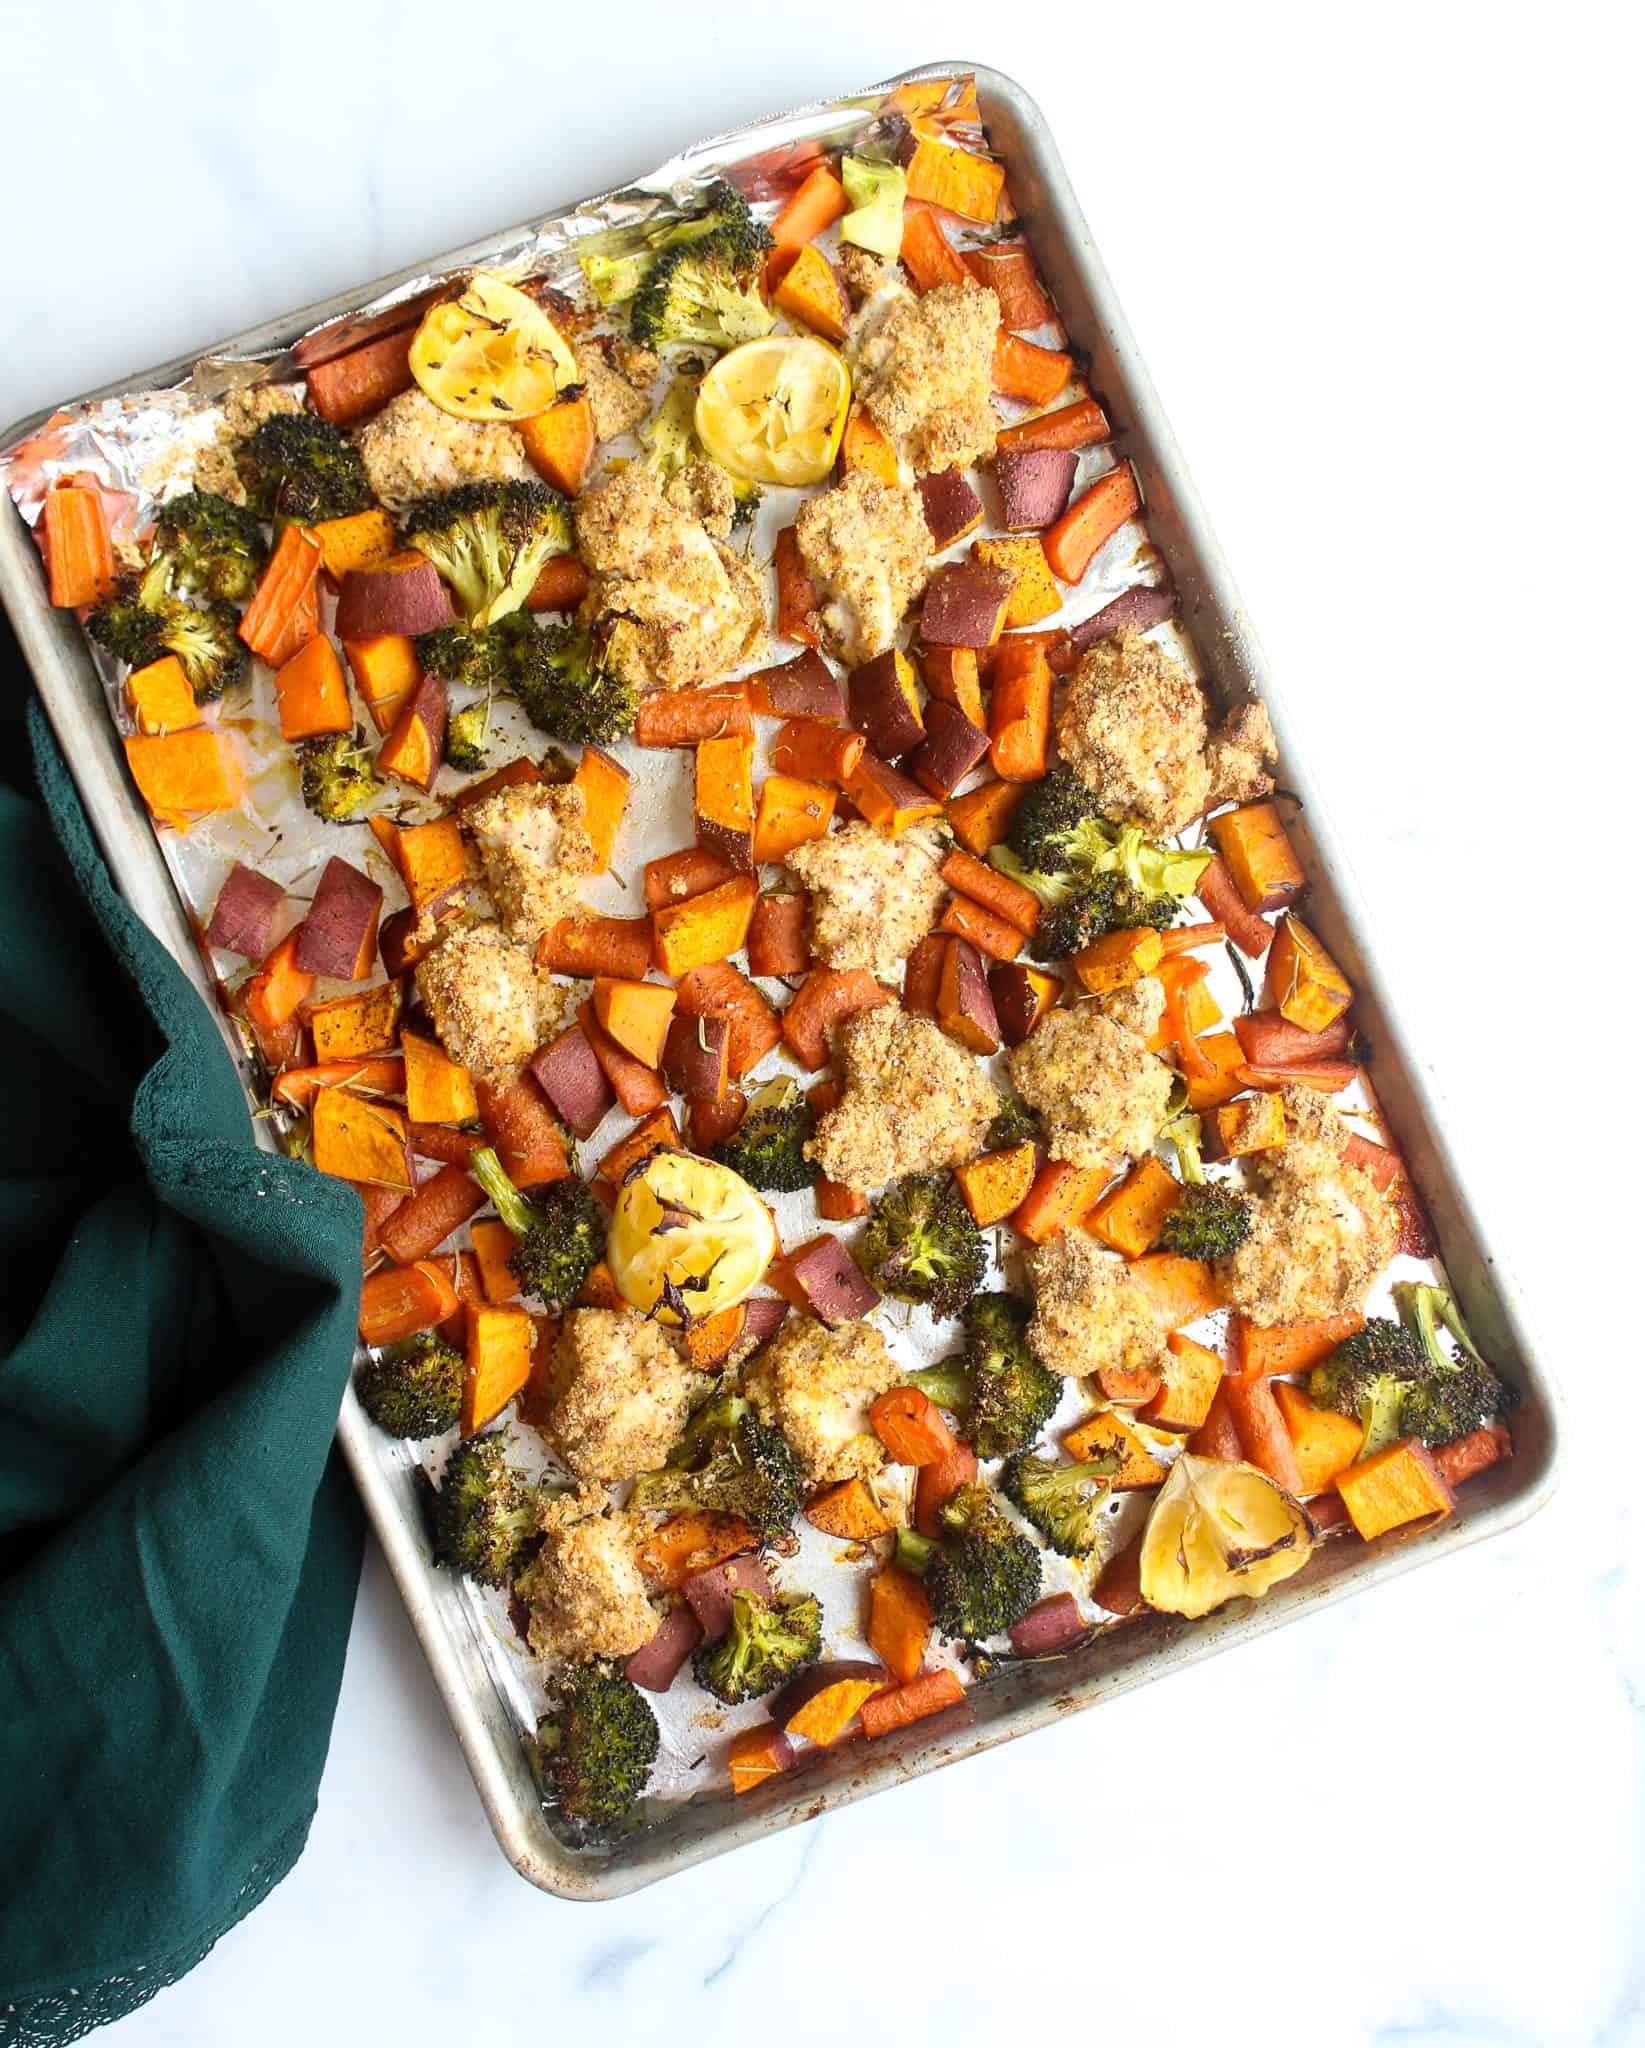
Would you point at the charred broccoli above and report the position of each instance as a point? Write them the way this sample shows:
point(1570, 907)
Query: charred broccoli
point(985, 1574)
point(768, 1147)
point(922, 1245)
point(1064, 1501)
point(215, 547)
point(1211, 1220)
point(767, 1643)
point(485, 1512)
point(1014, 1123)
point(730, 1463)
point(146, 620)
point(1399, 1379)
point(691, 278)
point(467, 734)
point(594, 1752)
point(413, 1389)
point(996, 1384)
point(561, 1234)
point(1057, 828)
point(490, 541)
point(297, 468)
point(557, 676)
point(476, 661)
point(339, 781)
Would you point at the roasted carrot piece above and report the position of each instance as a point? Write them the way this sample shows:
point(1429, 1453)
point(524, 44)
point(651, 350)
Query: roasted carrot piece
point(997, 892)
point(637, 1087)
point(796, 593)
point(350, 386)
point(587, 946)
point(922, 975)
point(1091, 521)
point(1217, 890)
point(993, 935)
point(1080, 425)
point(815, 203)
point(285, 587)
point(817, 751)
point(927, 254)
point(1007, 269)
point(524, 1130)
point(676, 877)
point(902, 1705)
point(79, 554)
point(561, 585)
point(1474, 1453)
point(1218, 1435)
point(398, 1301)
point(685, 718)
point(424, 1222)
point(910, 1425)
point(1019, 723)
point(1290, 1347)
point(1264, 1439)
point(1023, 370)
point(776, 934)
point(378, 1074)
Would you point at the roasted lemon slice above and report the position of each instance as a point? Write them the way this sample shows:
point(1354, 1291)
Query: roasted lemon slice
point(492, 354)
point(1217, 1531)
point(689, 1237)
point(774, 410)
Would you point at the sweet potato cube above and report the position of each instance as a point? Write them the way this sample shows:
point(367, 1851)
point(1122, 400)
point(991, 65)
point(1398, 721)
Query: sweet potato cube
point(848, 1511)
point(494, 1244)
point(1119, 958)
point(363, 540)
point(1210, 1091)
point(805, 687)
point(694, 1540)
point(432, 860)
point(811, 293)
point(1022, 995)
point(825, 1717)
point(756, 1755)
point(864, 446)
point(725, 798)
point(965, 1009)
point(636, 1014)
point(183, 775)
point(385, 670)
point(982, 817)
point(885, 704)
point(792, 811)
point(1399, 1485)
point(952, 747)
point(709, 927)
point(416, 746)
point(1060, 1196)
point(951, 676)
point(651, 1134)
point(560, 443)
point(1325, 1442)
point(1189, 1378)
point(710, 1343)
point(351, 1026)
point(958, 180)
point(497, 1362)
point(720, 991)
point(340, 932)
point(1306, 985)
point(357, 1139)
point(1183, 1289)
point(821, 1276)
point(995, 1184)
point(952, 509)
point(887, 798)
point(438, 1091)
point(1130, 1216)
point(160, 697)
point(604, 784)
point(899, 1622)
point(1255, 1123)
point(1034, 593)
point(1106, 1433)
point(1258, 854)
point(694, 1058)
point(965, 605)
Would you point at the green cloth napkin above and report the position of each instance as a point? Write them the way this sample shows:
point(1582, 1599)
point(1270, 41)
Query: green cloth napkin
point(179, 1541)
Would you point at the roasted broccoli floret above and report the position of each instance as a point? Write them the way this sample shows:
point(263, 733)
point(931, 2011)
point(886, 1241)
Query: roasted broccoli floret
point(985, 1574)
point(146, 620)
point(1065, 1501)
point(476, 661)
point(414, 1388)
point(746, 500)
point(768, 1147)
point(339, 781)
point(1092, 907)
point(561, 1234)
point(1399, 1379)
point(594, 1752)
point(703, 286)
point(730, 1463)
point(297, 467)
point(1014, 1122)
point(215, 547)
point(767, 1643)
point(996, 1384)
point(467, 734)
point(922, 1245)
point(1186, 1133)
point(490, 541)
point(556, 676)
point(485, 1512)
point(1057, 828)
point(1211, 1220)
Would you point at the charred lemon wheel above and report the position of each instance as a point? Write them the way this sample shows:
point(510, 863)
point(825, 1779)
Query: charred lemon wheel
point(1217, 1531)
point(774, 410)
point(492, 354)
point(688, 1238)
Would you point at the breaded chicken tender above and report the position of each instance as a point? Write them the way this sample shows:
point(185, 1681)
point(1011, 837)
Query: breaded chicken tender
point(816, 1385)
point(864, 272)
point(1100, 1092)
point(866, 545)
point(1138, 1008)
point(873, 898)
point(682, 607)
point(913, 1101)
point(213, 468)
point(624, 1392)
point(534, 850)
point(1091, 1313)
point(926, 377)
point(617, 401)
point(584, 1591)
point(489, 1005)
point(412, 450)
point(1135, 729)
point(1321, 1231)
point(702, 490)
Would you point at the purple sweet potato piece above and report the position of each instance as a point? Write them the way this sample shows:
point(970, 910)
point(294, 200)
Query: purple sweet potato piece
point(832, 1282)
point(799, 1692)
point(974, 1022)
point(1015, 1004)
point(242, 920)
point(1053, 1625)
point(965, 605)
point(409, 601)
point(766, 1315)
point(574, 1081)
point(695, 1053)
point(952, 747)
point(710, 1591)
point(656, 1665)
point(805, 687)
point(340, 932)
point(1133, 611)
point(885, 703)
point(1035, 485)
point(952, 509)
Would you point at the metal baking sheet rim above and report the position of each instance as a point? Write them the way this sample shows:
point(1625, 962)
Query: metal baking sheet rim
point(1138, 1651)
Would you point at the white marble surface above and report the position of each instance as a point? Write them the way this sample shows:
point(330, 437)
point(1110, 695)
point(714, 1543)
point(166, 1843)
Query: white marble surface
point(1381, 264)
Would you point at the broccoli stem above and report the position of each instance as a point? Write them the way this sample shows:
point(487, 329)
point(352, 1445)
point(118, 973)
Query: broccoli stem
point(914, 1553)
point(1421, 1307)
point(505, 1197)
point(949, 1385)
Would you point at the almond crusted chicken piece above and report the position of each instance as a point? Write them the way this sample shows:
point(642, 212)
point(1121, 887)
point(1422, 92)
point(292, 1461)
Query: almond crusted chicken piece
point(1100, 1092)
point(584, 1592)
point(624, 1392)
point(913, 1101)
point(411, 450)
point(617, 400)
point(1138, 1008)
point(534, 850)
point(681, 606)
point(489, 1005)
point(873, 898)
point(1136, 730)
point(868, 549)
point(926, 376)
point(1091, 1313)
point(816, 1385)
